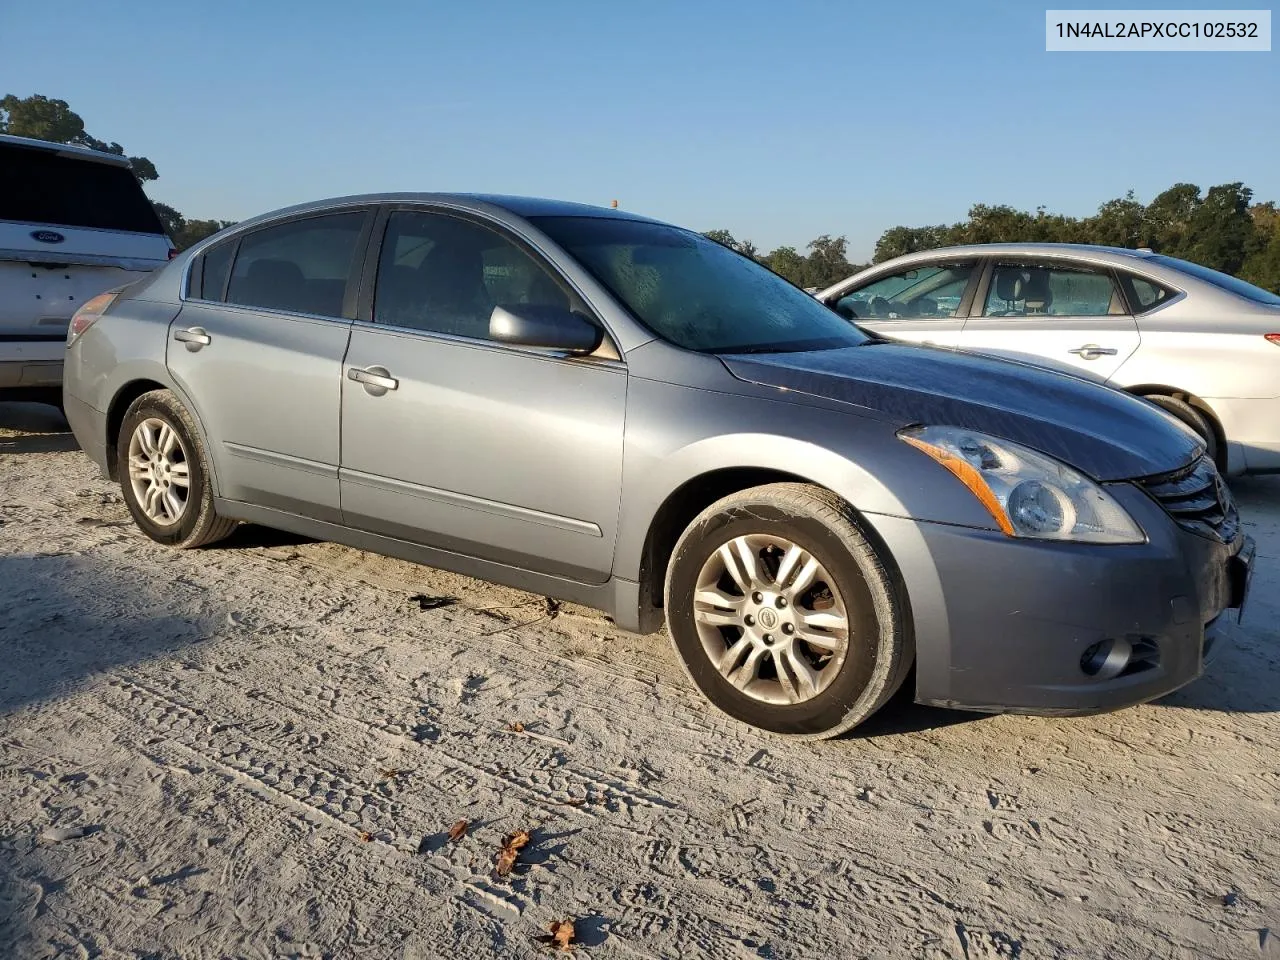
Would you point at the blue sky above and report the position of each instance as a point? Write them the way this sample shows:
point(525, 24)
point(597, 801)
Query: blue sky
point(778, 121)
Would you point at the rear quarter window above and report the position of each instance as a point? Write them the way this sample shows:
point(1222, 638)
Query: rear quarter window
point(213, 274)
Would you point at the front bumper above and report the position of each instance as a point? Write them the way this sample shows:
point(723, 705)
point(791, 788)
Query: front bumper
point(1005, 625)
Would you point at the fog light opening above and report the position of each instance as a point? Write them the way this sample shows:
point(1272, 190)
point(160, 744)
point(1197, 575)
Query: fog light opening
point(1106, 659)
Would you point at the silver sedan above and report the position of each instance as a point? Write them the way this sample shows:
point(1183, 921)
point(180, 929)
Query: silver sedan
point(618, 412)
point(1203, 345)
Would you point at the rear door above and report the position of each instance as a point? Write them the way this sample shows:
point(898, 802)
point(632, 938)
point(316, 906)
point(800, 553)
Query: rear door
point(1065, 315)
point(258, 347)
point(923, 303)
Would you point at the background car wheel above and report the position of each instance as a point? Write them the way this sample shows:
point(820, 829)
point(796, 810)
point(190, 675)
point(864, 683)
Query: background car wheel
point(783, 614)
point(1193, 418)
point(163, 474)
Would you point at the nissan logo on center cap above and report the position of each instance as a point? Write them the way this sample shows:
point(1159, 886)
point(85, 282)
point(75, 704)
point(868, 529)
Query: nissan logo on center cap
point(47, 236)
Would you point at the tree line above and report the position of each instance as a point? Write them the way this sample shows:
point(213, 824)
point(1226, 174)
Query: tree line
point(1221, 227)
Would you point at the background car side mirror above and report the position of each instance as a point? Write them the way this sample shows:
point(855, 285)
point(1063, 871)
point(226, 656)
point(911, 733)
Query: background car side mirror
point(541, 325)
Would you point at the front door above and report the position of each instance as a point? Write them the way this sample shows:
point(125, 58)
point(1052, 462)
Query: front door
point(1065, 316)
point(452, 440)
point(919, 304)
point(258, 348)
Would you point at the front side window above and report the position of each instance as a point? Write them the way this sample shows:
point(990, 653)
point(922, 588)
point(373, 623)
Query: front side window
point(301, 266)
point(931, 292)
point(444, 274)
point(696, 293)
point(1040, 290)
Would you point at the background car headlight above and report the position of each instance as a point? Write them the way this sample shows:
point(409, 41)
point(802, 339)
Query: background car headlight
point(1027, 493)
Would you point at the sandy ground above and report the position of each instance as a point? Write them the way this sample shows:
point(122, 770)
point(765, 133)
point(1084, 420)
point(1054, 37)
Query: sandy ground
point(265, 742)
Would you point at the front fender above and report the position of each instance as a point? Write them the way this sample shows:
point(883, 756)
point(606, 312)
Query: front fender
point(678, 434)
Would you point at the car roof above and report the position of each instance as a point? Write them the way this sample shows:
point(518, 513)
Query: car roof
point(1091, 251)
point(66, 149)
point(490, 203)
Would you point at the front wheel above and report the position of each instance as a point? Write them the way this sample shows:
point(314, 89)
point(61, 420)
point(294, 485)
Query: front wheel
point(164, 474)
point(783, 614)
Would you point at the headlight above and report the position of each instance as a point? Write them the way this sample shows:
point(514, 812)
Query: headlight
point(1028, 494)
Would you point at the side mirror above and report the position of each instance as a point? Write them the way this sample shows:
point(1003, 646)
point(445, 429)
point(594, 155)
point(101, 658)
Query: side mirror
point(539, 325)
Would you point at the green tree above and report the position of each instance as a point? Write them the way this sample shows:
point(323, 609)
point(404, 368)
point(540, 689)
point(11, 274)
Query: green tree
point(827, 261)
point(722, 237)
point(1167, 219)
point(1221, 233)
point(1262, 265)
point(42, 118)
point(1118, 223)
point(787, 262)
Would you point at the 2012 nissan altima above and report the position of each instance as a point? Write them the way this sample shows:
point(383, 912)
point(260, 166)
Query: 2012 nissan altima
point(611, 410)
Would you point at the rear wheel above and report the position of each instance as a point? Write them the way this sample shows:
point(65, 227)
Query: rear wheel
point(783, 614)
point(1193, 418)
point(164, 475)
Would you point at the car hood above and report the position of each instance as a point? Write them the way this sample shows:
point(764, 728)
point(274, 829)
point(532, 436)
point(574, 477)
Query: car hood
point(1107, 434)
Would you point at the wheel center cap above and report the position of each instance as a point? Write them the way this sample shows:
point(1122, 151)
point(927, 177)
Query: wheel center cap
point(768, 619)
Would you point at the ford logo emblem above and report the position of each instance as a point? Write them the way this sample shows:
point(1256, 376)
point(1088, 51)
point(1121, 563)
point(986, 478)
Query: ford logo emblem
point(47, 236)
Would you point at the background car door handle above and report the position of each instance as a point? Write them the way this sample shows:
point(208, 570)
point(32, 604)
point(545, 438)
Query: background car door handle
point(1091, 351)
point(376, 380)
point(193, 337)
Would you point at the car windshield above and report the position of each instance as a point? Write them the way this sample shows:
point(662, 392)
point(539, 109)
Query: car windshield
point(1241, 288)
point(696, 293)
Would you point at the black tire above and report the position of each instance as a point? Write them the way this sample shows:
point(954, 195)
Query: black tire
point(879, 652)
point(198, 524)
point(1193, 418)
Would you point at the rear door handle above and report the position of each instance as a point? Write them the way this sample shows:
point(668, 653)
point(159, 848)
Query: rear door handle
point(193, 337)
point(1091, 351)
point(376, 380)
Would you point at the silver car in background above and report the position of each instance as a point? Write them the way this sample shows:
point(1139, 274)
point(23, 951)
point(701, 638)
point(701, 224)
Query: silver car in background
point(615, 411)
point(1203, 345)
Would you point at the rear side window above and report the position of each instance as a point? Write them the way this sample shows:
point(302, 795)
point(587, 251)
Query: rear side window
point(1051, 290)
point(1144, 294)
point(217, 264)
point(301, 266)
point(42, 187)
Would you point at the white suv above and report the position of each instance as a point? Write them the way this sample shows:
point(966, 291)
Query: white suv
point(74, 223)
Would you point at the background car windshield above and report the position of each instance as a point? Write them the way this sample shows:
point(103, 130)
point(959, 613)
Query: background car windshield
point(1241, 288)
point(697, 294)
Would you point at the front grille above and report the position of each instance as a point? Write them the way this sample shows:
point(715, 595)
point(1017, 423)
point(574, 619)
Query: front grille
point(1198, 500)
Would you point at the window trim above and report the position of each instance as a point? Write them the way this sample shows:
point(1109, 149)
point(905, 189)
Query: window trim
point(608, 351)
point(967, 298)
point(1048, 262)
point(195, 266)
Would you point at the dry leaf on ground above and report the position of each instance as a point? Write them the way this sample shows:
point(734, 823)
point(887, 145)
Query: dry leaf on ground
point(510, 850)
point(458, 831)
point(516, 727)
point(561, 936)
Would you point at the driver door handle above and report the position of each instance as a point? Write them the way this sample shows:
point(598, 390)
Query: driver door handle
point(193, 337)
point(378, 377)
point(1091, 351)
